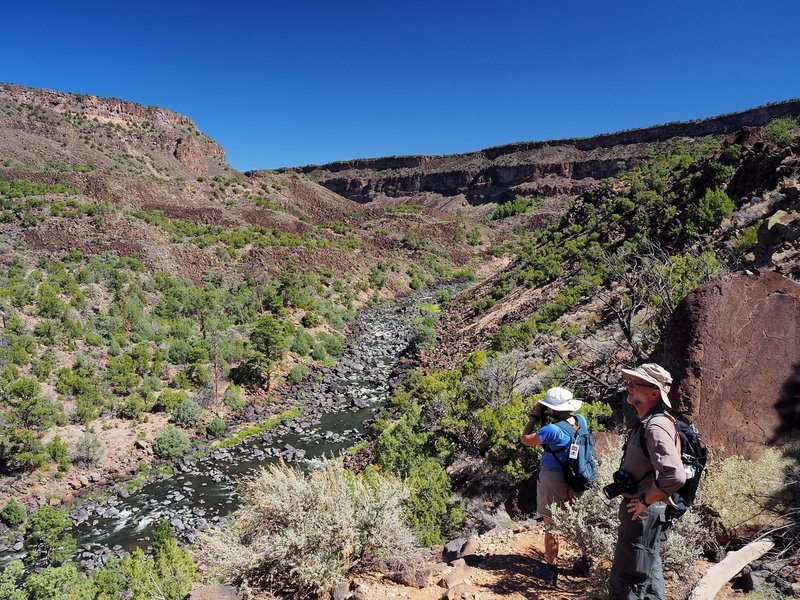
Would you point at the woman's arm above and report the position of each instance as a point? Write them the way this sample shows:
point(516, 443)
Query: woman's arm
point(529, 436)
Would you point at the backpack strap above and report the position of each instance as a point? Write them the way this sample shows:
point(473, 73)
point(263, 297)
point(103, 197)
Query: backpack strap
point(643, 431)
point(570, 430)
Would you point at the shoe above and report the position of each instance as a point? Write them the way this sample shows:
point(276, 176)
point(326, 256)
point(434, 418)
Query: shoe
point(547, 573)
point(582, 566)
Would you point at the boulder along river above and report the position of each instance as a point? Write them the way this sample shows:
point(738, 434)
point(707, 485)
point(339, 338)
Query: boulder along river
point(335, 402)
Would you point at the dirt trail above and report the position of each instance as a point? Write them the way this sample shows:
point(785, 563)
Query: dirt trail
point(504, 566)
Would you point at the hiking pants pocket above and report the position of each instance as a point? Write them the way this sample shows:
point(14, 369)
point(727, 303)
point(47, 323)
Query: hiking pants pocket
point(651, 534)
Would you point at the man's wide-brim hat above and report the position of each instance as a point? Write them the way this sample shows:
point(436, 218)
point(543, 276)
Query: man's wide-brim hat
point(651, 374)
point(561, 400)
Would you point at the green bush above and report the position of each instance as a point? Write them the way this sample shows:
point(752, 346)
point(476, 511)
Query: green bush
point(89, 449)
point(430, 509)
point(11, 581)
point(744, 495)
point(216, 428)
point(13, 513)
point(303, 341)
point(58, 451)
point(714, 206)
point(423, 337)
point(187, 413)
point(169, 399)
point(310, 319)
point(64, 582)
point(299, 534)
point(333, 342)
point(780, 130)
point(232, 398)
point(47, 537)
point(297, 373)
point(171, 444)
point(169, 574)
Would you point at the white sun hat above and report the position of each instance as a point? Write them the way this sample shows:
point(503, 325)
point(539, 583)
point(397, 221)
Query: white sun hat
point(561, 400)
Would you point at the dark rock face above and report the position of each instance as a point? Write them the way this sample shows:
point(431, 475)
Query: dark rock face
point(733, 348)
point(558, 167)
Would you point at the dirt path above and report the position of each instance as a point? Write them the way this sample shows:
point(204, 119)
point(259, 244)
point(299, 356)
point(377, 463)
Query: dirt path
point(504, 566)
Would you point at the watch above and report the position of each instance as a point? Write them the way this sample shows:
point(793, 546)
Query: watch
point(641, 499)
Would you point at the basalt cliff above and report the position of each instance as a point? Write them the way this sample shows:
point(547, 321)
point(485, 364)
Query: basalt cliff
point(549, 168)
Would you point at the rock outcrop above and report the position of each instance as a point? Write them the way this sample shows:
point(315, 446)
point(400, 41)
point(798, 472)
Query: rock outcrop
point(42, 127)
point(733, 348)
point(559, 167)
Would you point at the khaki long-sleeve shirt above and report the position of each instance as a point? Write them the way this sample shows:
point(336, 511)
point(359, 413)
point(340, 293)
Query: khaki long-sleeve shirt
point(664, 469)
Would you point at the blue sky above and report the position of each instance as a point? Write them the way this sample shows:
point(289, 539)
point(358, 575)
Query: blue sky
point(300, 82)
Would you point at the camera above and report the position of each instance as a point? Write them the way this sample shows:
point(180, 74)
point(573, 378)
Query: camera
point(624, 483)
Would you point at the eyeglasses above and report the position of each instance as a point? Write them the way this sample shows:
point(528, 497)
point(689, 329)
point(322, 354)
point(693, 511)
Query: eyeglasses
point(644, 385)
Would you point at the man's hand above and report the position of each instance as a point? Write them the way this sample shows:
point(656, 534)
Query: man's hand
point(635, 508)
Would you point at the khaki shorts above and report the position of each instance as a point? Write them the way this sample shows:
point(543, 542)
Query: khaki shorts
point(552, 489)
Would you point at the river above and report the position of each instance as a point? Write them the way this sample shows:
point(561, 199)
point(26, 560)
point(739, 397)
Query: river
point(335, 403)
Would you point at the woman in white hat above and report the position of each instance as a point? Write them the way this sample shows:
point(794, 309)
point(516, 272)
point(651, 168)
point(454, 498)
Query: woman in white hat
point(551, 487)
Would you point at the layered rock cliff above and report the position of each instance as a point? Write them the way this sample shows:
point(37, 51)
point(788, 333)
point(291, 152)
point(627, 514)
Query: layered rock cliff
point(558, 167)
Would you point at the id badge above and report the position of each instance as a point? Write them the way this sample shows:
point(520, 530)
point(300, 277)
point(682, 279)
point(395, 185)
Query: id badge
point(573, 450)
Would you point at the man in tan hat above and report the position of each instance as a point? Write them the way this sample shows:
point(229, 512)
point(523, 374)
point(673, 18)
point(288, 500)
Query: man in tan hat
point(551, 487)
point(646, 480)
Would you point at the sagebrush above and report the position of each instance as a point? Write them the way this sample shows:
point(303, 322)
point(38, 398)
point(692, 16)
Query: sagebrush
point(299, 534)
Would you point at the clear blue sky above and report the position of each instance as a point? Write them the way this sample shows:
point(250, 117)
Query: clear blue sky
point(284, 83)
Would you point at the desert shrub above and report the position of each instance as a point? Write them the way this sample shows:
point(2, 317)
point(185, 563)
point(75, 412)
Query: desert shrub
point(297, 373)
point(13, 513)
point(168, 400)
point(743, 494)
point(59, 582)
point(303, 341)
point(300, 534)
point(745, 240)
point(779, 130)
point(430, 510)
point(216, 428)
point(517, 206)
point(47, 537)
point(187, 413)
point(333, 342)
point(232, 398)
point(11, 581)
point(423, 337)
point(413, 241)
point(132, 407)
point(87, 407)
point(171, 444)
point(89, 449)
point(169, 574)
point(310, 319)
point(319, 353)
point(58, 451)
point(474, 237)
point(714, 206)
point(767, 592)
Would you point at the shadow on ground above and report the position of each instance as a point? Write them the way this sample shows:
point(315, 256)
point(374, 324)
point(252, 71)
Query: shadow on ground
point(520, 574)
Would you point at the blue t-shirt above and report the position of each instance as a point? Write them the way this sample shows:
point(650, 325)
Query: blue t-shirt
point(553, 437)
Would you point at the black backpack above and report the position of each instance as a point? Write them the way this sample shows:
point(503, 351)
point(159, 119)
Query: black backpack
point(693, 455)
point(581, 471)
